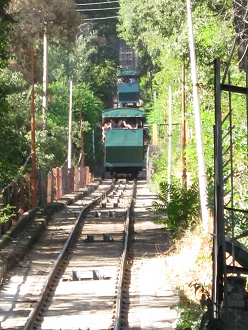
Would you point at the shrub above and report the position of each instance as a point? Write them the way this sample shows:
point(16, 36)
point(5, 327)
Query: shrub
point(6, 212)
point(178, 207)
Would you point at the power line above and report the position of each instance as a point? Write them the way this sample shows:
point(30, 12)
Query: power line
point(97, 9)
point(96, 3)
point(94, 19)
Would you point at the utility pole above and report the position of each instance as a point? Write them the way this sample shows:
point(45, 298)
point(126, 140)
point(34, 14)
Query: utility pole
point(81, 129)
point(45, 77)
point(198, 126)
point(170, 139)
point(33, 154)
point(184, 174)
point(93, 143)
point(70, 128)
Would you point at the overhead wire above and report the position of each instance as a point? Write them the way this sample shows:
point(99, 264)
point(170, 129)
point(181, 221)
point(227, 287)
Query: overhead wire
point(97, 9)
point(19, 172)
point(97, 18)
point(96, 3)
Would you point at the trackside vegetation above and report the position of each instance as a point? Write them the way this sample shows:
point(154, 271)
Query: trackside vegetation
point(86, 52)
point(177, 207)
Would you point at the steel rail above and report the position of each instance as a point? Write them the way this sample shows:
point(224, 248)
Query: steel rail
point(46, 288)
point(122, 264)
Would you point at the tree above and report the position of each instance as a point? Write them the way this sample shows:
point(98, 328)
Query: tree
point(59, 18)
point(10, 153)
point(5, 22)
point(160, 28)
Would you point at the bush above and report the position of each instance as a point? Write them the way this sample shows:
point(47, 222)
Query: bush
point(178, 207)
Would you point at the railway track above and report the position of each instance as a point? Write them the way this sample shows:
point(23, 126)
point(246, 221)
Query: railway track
point(75, 268)
point(105, 274)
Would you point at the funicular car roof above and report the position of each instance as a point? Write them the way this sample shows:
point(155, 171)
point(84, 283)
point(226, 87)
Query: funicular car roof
point(123, 113)
point(127, 72)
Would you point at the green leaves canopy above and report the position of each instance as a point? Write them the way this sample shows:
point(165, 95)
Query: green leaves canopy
point(33, 18)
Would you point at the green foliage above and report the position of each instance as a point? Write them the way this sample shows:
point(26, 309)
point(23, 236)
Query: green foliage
point(83, 68)
point(189, 314)
point(103, 76)
point(51, 148)
point(12, 141)
point(160, 29)
point(5, 22)
point(150, 23)
point(31, 19)
point(79, 61)
point(5, 212)
point(12, 155)
point(5, 25)
point(76, 64)
point(106, 41)
point(178, 206)
point(194, 316)
point(51, 144)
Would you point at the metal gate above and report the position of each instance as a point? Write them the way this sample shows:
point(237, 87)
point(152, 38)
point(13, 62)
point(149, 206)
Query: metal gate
point(230, 257)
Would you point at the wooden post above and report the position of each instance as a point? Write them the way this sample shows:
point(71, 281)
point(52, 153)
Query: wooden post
point(57, 183)
point(82, 177)
point(15, 194)
point(22, 194)
point(28, 191)
point(184, 173)
point(155, 134)
point(87, 174)
point(169, 140)
point(70, 128)
point(202, 179)
point(33, 154)
point(81, 129)
point(45, 78)
point(49, 188)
